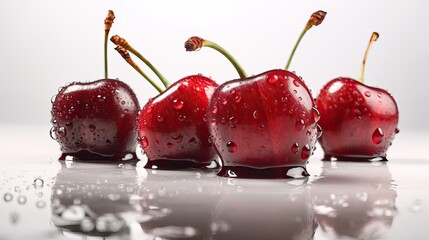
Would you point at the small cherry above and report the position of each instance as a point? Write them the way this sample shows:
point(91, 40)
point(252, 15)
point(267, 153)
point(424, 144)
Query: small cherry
point(359, 122)
point(172, 127)
point(265, 126)
point(96, 120)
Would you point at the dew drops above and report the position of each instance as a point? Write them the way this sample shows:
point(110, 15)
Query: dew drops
point(144, 142)
point(52, 133)
point(255, 114)
point(271, 79)
point(159, 118)
point(123, 102)
point(231, 146)
point(316, 114)
point(295, 92)
point(299, 125)
point(319, 131)
point(396, 130)
point(182, 118)
point(377, 136)
point(367, 94)
point(121, 165)
point(177, 138)
point(169, 145)
point(296, 83)
point(38, 183)
point(40, 204)
point(224, 102)
point(62, 132)
point(108, 142)
point(149, 110)
point(53, 98)
point(214, 109)
point(237, 99)
point(91, 128)
point(295, 148)
point(177, 104)
point(379, 94)
point(192, 141)
point(7, 197)
point(22, 200)
point(305, 153)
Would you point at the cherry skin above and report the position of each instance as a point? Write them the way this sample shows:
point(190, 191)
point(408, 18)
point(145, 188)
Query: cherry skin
point(263, 126)
point(95, 120)
point(358, 121)
point(172, 128)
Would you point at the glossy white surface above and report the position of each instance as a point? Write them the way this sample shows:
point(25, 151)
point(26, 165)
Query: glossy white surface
point(43, 198)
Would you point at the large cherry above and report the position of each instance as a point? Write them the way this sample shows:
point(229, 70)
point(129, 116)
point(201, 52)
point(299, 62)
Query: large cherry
point(96, 120)
point(265, 126)
point(359, 122)
point(172, 127)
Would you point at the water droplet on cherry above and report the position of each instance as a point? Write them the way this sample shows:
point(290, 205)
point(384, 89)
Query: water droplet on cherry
point(237, 98)
point(62, 132)
point(160, 118)
point(53, 98)
point(178, 138)
point(192, 141)
point(396, 130)
point(91, 128)
point(379, 94)
point(231, 146)
point(299, 125)
point(177, 104)
point(272, 78)
point(224, 102)
point(316, 114)
point(52, 133)
point(149, 110)
point(295, 148)
point(377, 136)
point(255, 114)
point(169, 145)
point(296, 83)
point(305, 153)
point(319, 131)
point(144, 142)
point(214, 110)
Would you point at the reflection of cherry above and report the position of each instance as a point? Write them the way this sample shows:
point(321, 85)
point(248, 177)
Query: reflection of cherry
point(350, 204)
point(358, 121)
point(96, 120)
point(249, 211)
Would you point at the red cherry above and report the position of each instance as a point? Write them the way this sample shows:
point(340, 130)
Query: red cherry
point(172, 128)
point(272, 127)
point(95, 120)
point(358, 121)
point(264, 126)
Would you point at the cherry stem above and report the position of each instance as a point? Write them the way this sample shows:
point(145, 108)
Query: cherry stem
point(315, 19)
point(196, 43)
point(373, 38)
point(108, 22)
point(124, 53)
point(123, 43)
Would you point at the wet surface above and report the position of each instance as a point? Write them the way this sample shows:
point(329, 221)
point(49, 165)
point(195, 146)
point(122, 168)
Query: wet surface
point(43, 198)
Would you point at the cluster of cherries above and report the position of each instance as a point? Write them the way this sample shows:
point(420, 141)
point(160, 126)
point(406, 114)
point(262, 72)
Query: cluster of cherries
point(263, 126)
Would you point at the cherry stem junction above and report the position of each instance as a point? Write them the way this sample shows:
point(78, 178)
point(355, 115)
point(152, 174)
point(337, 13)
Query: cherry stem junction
point(374, 38)
point(123, 43)
point(315, 19)
point(108, 22)
point(196, 43)
point(124, 53)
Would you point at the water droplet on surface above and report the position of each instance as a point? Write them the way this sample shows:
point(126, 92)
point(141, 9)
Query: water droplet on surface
point(296, 83)
point(295, 92)
point(416, 206)
point(7, 197)
point(396, 130)
point(123, 102)
point(149, 110)
point(40, 204)
point(108, 142)
point(169, 145)
point(237, 99)
point(231, 146)
point(295, 148)
point(121, 165)
point(379, 94)
point(377, 136)
point(91, 128)
point(182, 118)
point(53, 98)
point(367, 94)
point(22, 200)
point(73, 213)
point(159, 118)
point(299, 125)
point(177, 104)
point(144, 142)
point(177, 138)
point(86, 225)
point(305, 153)
point(316, 114)
point(224, 102)
point(214, 109)
point(38, 183)
point(271, 79)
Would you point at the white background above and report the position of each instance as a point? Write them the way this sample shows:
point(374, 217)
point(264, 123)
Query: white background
point(46, 44)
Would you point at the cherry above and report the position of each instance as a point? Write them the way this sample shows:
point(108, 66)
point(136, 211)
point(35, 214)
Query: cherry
point(172, 127)
point(359, 122)
point(265, 126)
point(96, 120)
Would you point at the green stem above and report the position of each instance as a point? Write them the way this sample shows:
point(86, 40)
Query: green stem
point(164, 81)
point(225, 53)
point(106, 71)
point(374, 38)
point(158, 88)
point(295, 47)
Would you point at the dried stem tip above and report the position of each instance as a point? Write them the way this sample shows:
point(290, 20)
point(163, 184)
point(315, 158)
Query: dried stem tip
point(194, 43)
point(109, 20)
point(316, 19)
point(124, 53)
point(374, 37)
point(118, 41)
